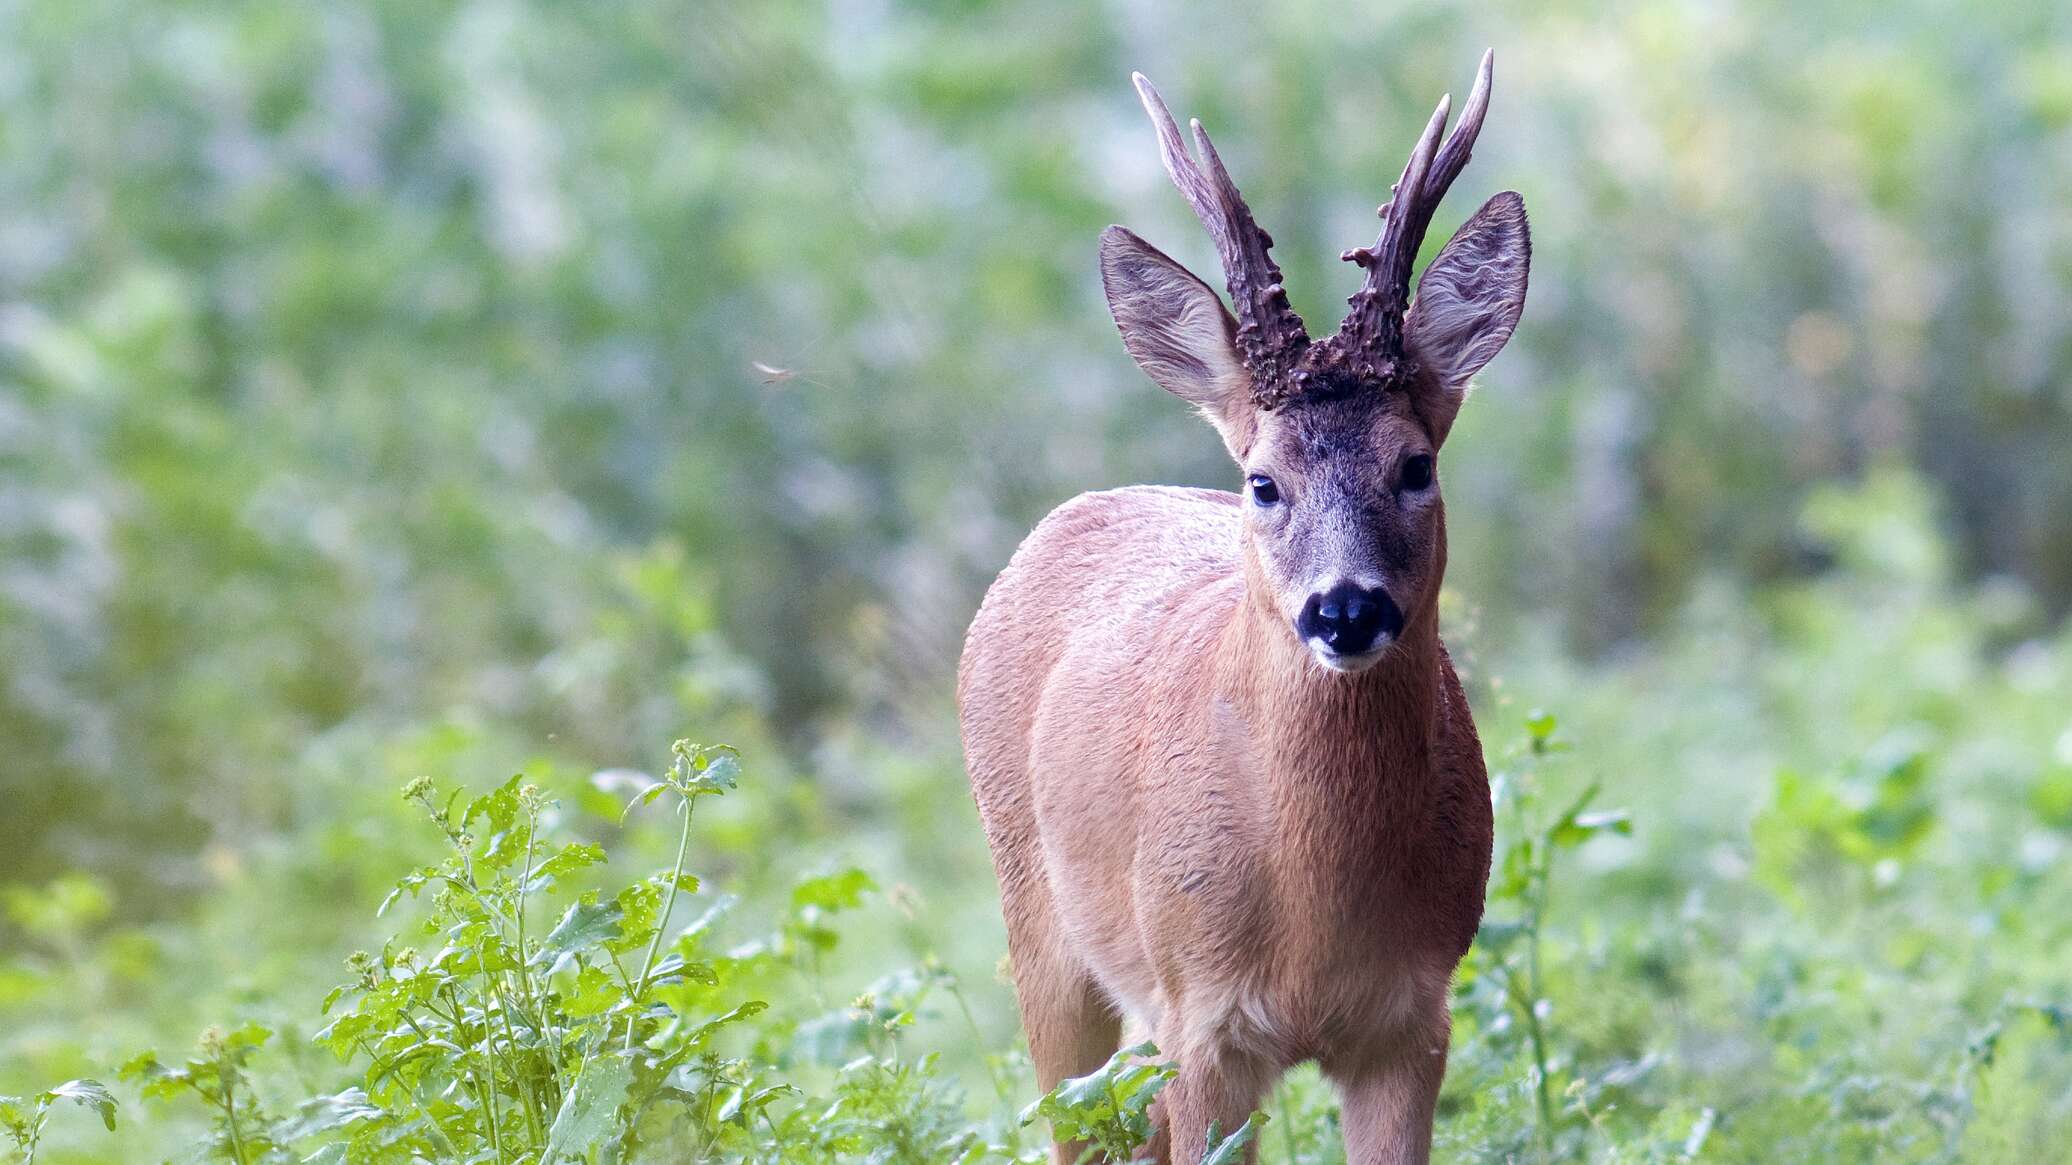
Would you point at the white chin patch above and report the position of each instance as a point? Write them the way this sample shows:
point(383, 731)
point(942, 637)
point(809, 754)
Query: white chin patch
point(1347, 664)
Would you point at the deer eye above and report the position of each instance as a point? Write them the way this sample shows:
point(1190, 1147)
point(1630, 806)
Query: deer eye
point(1264, 491)
point(1417, 472)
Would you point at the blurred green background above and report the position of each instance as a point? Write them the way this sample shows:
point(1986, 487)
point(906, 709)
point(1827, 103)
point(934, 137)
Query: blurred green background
point(418, 386)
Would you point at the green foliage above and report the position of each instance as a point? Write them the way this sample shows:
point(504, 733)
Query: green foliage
point(1109, 1108)
point(382, 359)
point(22, 1117)
point(1827, 929)
point(577, 1044)
point(392, 388)
point(609, 1038)
point(217, 1075)
point(1505, 982)
point(1230, 1150)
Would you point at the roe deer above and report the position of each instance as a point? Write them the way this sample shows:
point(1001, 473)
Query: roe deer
point(1226, 769)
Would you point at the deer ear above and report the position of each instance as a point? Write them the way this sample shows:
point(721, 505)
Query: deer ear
point(1174, 326)
point(1468, 301)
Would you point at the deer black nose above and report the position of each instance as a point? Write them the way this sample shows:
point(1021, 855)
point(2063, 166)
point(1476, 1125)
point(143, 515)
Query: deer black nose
point(1349, 618)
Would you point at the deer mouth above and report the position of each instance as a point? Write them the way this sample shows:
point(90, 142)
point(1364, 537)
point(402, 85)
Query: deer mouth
point(1348, 662)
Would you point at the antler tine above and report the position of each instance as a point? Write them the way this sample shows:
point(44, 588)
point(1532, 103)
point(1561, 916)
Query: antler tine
point(1172, 148)
point(1270, 335)
point(1453, 156)
point(1373, 331)
point(1409, 202)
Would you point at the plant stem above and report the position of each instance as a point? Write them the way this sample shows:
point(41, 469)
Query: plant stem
point(1001, 1085)
point(647, 965)
point(237, 1144)
point(532, 820)
point(485, 1084)
point(1532, 1010)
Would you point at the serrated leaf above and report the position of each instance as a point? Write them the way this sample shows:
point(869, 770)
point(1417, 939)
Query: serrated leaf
point(410, 883)
point(500, 809)
point(564, 861)
point(323, 1114)
point(722, 772)
point(88, 1094)
point(247, 1035)
point(595, 992)
point(588, 1111)
point(584, 925)
point(1231, 1149)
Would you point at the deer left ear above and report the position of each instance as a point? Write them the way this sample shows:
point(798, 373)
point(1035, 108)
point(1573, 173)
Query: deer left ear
point(1468, 302)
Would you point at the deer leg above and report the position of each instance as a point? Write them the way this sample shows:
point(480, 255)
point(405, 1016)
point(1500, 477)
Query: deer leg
point(1072, 1029)
point(1215, 1086)
point(1386, 1103)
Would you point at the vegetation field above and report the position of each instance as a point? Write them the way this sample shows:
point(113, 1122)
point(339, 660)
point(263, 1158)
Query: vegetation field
point(491, 493)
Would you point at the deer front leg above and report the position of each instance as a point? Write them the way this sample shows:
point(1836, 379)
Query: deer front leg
point(1215, 1086)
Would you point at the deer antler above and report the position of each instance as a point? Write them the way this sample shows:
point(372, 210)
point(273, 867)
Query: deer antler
point(1270, 336)
point(1371, 338)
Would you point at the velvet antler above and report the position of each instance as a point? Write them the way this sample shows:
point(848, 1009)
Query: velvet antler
point(1370, 341)
point(1270, 336)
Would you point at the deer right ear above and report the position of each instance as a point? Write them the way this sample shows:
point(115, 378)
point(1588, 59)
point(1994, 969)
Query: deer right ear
point(1174, 326)
point(1468, 303)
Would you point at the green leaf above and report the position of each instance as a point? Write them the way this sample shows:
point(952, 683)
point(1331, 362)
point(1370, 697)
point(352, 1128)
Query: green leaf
point(1231, 1149)
point(567, 860)
point(323, 1114)
point(705, 1031)
point(1110, 1106)
point(841, 890)
point(595, 992)
point(500, 806)
point(1574, 827)
point(590, 1108)
point(640, 911)
point(410, 884)
point(644, 797)
point(1578, 828)
point(584, 925)
point(88, 1094)
point(142, 1066)
point(722, 772)
point(246, 1036)
point(701, 771)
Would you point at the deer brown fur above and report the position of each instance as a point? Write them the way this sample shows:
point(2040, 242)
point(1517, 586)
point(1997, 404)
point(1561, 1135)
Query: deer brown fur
point(1229, 777)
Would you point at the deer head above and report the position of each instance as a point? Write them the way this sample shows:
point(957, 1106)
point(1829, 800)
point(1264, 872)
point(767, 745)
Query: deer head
point(1338, 439)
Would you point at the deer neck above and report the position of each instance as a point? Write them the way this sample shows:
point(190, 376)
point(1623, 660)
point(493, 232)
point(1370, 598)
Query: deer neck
point(1335, 747)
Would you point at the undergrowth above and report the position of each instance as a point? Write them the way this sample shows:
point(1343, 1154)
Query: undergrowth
point(531, 1011)
point(522, 1020)
point(1830, 929)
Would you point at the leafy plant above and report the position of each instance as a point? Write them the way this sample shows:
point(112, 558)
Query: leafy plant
point(515, 1042)
point(1110, 1110)
point(1510, 950)
point(216, 1074)
point(1110, 1107)
point(22, 1117)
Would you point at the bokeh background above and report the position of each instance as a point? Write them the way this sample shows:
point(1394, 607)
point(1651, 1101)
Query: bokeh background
point(444, 387)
